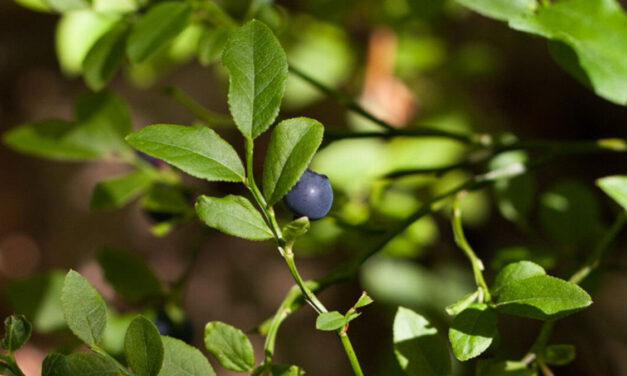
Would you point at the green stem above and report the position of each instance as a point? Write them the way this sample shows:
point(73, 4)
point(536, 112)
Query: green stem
point(462, 242)
point(103, 353)
point(310, 297)
point(350, 352)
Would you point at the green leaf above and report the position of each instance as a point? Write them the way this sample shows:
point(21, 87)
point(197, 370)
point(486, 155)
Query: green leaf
point(330, 321)
point(105, 57)
point(54, 364)
point(129, 275)
point(199, 151)
point(363, 300)
point(292, 146)
point(559, 355)
point(285, 370)
point(85, 311)
point(492, 367)
point(542, 297)
point(230, 346)
point(514, 272)
point(515, 197)
point(233, 215)
point(258, 72)
point(39, 297)
point(143, 347)
point(615, 187)
point(117, 192)
point(592, 28)
point(181, 359)
point(37, 5)
point(211, 44)
point(103, 120)
point(160, 25)
point(81, 364)
point(462, 304)
point(48, 139)
point(17, 332)
point(68, 5)
point(472, 331)
point(166, 198)
point(418, 347)
point(569, 213)
point(295, 229)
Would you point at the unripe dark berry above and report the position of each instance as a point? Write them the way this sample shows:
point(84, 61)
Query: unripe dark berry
point(311, 197)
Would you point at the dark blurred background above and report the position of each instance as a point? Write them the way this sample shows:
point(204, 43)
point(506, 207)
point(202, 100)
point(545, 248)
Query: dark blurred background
point(453, 66)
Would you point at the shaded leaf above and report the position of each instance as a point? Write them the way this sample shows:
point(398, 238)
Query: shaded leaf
point(160, 25)
point(211, 44)
point(17, 332)
point(233, 215)
point(105, 57)
point(117, 192)
point(81, 364)
point(129, 275)
point(84, 310)
point(295, 229)
point(292, 146)
point(230, 346)
point(258, 72)
point(54, 364)
point(285, 370)
point(559, 355)
point(615, 187)
point(199, 151)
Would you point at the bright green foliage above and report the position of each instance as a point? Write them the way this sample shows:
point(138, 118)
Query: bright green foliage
point(54, 364)
point(38, 5)
point(199, 151)
point(559, 355)
point(143, 347)
point(160, 25)
point(105, 57)
point(129, 275)
point(596, 30)
point(472, 331)
point(514, 197)
point(17, 330)
point(211, 44)
point(39, 298)
point(117, 192)
point(330, 321)
point(233, 215)
point(292, 146)
point(258, 72)
point(418, 347)
point(84, 310)
point(181, 359)
point(569, 213)
point(285, 370)
point(230, 346)
point(542, 297)
point(68, 5)
point(514, 272)
point(462, 304)
point(503, 368)
point(616, 188)
point(81, 364)
point(295, 229)
point(363, 300)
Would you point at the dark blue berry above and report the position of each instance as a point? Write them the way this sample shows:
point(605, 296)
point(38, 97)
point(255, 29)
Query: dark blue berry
point(183, 330)
point(311, 197)
point(150, 159)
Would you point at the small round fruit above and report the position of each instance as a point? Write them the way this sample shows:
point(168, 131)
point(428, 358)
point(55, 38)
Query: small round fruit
point(311, 197)
point(166, 327)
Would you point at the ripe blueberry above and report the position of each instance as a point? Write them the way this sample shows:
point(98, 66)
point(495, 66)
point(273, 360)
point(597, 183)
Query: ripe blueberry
point(312, 196)
point(183, 330)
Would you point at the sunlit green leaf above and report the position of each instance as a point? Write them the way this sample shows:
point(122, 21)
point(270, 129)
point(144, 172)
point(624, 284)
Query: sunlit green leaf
point(472, 331)
point(418, 347)
point(330, 321)
point(84, 310)
point(233, 215)
point(197, 150)
point(616, 188)
point(258, 71)
point(515, 272)
point(292, 146)
point(230, 346)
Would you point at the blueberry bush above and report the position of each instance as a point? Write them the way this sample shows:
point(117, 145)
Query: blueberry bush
point(376, 187)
